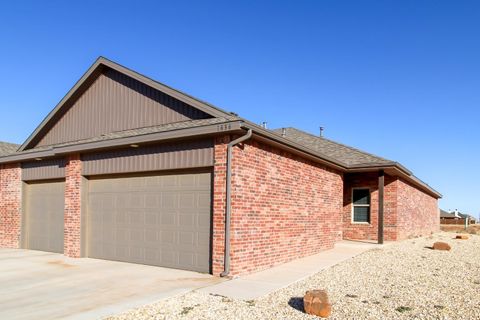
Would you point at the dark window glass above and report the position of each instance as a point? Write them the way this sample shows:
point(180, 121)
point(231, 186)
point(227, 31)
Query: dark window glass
point(361, 196)
point(361, 205)
point(361, 214)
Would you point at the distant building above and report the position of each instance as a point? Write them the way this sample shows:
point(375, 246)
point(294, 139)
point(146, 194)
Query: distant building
point(455, 217)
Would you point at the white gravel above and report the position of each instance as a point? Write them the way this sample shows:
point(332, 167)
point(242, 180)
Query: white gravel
point(403, 280)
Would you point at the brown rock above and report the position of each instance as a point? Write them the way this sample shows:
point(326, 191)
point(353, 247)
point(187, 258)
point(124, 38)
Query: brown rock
point(462, 236)
point(316, 302)
point(441, 246)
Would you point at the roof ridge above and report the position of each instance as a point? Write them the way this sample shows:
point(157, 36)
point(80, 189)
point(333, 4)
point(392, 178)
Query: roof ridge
point(341, 144)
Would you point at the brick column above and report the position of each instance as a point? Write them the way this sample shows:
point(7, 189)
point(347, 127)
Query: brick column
point(219, 190)
point(10, 205)
point(72, 232)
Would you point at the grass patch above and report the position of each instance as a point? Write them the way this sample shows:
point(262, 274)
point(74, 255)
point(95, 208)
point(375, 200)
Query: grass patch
point(186, 310)
point(403, 309)
point(250, 303)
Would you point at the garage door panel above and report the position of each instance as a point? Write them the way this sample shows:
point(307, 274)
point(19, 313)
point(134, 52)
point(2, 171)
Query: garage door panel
point(162, 220)
point(44, 216)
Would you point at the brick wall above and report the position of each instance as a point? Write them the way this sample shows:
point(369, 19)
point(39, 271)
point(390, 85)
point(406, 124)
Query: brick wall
point(362, 231)
point(219, 190)
point(72, 231)
point(418, 213)
point(10, 205)
point(283, 207)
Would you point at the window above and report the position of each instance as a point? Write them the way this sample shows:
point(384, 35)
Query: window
point(361, 205)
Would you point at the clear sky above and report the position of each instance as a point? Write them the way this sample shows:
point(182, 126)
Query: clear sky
point(400, 79)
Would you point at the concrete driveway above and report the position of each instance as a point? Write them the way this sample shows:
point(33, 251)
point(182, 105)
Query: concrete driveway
point(42, 285)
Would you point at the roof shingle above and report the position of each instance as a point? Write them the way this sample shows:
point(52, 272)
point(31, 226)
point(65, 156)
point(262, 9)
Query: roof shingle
point(332, 149)
point(7, 148)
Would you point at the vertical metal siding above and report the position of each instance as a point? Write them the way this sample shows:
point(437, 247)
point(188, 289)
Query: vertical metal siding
point(42, 170)
point(116, 102)
point(179, 155)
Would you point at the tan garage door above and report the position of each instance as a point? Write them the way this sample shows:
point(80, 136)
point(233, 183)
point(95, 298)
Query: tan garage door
point(44, 216)
point(161, 220)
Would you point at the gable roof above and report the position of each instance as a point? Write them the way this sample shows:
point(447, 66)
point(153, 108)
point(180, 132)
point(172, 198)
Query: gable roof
point(446, 214)
point(92, 73)
point(348, 155)
point(7, 148)
point(333, 154)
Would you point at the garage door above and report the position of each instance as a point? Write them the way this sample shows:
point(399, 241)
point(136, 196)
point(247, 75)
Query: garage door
point(43, 216)
point(161, 220)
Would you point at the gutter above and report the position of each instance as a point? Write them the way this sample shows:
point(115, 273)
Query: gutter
point(228, 209)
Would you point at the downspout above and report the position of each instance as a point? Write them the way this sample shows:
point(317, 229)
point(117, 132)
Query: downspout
point(228, 209)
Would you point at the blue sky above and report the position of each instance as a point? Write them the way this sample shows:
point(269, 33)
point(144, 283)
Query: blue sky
point(400, 79)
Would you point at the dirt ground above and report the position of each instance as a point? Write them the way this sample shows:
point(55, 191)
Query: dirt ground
point(472, 229)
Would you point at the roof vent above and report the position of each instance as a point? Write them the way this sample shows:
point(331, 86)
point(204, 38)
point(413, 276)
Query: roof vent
point(264, 124)
point(321, 131)
point(284, 132)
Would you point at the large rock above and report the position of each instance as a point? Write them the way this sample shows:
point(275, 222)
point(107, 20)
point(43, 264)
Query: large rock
point(441, 246)
point(316, 302)
point(462, 236)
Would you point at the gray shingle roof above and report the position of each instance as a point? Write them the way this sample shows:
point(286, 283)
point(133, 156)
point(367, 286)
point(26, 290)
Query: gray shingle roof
point(7, 148)
point(134, 132)
point(463, 215)
point(332, 149)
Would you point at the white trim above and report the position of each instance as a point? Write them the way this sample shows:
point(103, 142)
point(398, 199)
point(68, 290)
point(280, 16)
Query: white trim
point(369, 205)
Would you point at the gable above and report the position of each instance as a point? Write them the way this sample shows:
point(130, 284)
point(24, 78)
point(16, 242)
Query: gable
point(115, 102)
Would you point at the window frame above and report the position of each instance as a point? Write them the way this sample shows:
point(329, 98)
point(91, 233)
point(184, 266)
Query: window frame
point(369, 205)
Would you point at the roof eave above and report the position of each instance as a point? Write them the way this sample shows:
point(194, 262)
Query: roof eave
point(145, 139)
point(396, 168)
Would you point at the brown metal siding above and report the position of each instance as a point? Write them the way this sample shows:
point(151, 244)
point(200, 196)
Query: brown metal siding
point(179, 155)
point(42, 170)
point(116, 102)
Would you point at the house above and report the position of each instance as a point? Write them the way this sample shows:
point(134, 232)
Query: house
point(126, 168)
point(455, 217)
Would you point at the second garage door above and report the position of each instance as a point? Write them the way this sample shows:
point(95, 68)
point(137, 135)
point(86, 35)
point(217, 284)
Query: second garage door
point(43, 216)
point(161, 220)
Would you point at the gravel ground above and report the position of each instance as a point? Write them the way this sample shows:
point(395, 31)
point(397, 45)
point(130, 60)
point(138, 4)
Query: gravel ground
point(403, 280)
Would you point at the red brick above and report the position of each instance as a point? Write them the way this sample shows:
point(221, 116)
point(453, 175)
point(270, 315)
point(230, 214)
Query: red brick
point(72, 231)
point(283, 207)
point(408, 211)
point(10, 205)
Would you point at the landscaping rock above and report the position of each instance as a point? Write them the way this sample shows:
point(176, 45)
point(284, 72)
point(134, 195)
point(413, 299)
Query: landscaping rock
point(462, 236)
point(315, 302)
point(441, 246)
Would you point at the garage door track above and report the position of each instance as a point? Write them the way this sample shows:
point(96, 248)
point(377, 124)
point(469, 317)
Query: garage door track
point(42, 285)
